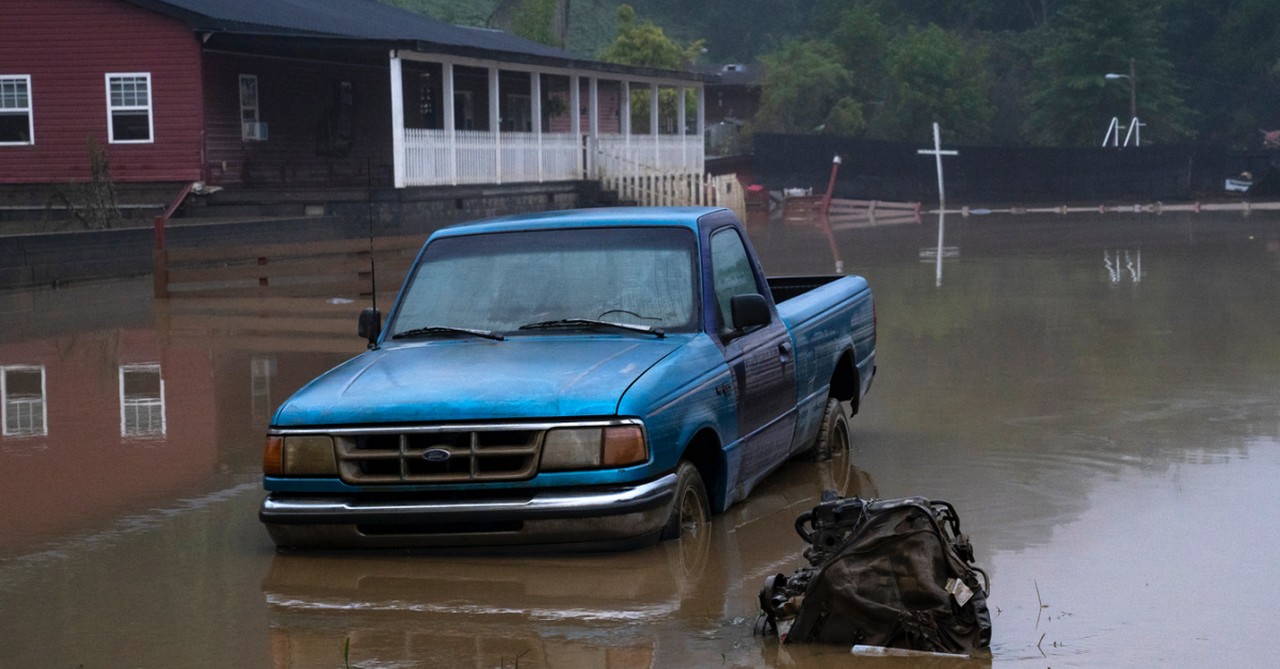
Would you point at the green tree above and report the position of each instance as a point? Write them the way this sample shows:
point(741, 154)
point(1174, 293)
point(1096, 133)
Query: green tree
point(804, 83)
point(936, 76)
point(536, 20)
point(1227, 55)
point(1070, 100)
point(863, 41)
point(645, 44)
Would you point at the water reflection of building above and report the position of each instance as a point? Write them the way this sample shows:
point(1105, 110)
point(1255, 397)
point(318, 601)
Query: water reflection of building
point(95, 423)
point(142, 401)
point(22, 394)
point(90, 424)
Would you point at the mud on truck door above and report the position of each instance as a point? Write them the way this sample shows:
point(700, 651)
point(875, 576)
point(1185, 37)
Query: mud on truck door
point(758, 350)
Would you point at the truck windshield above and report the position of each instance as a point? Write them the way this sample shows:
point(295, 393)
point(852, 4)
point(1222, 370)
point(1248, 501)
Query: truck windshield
point(500, 281)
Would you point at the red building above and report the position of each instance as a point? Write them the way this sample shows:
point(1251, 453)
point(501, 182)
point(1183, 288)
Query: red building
point(326, 92)
point(76, 71)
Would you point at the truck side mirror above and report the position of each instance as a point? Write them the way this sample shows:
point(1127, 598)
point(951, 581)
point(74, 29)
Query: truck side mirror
point(370, 326)
point(749, 310)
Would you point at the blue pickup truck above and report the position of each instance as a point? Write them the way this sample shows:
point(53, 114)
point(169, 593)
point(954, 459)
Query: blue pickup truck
point(589, 379)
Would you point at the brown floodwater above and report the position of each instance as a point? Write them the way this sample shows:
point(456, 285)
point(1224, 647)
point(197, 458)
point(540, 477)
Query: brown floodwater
point(1096, 395)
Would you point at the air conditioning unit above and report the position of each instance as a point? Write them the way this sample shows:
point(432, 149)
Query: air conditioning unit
point(253, 132)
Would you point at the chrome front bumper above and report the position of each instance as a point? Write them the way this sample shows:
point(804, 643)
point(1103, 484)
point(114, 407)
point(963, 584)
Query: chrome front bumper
point(607, 517)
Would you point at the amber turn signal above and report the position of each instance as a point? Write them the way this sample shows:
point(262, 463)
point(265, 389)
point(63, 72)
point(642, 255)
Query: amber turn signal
point(624, 445)
point(273, 457)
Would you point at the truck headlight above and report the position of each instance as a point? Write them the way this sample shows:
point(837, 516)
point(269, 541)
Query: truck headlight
point(301, 455)
point(593, 448)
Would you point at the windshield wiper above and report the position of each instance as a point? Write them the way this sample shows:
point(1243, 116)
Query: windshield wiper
point(445, 329)
point(591, 322)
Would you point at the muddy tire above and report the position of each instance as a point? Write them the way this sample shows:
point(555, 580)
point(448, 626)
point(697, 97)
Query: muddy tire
point(690, 513)
point(833, 436)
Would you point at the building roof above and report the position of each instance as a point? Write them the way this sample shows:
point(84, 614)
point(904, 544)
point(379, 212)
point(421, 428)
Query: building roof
point(368, 20)
point(733, 74)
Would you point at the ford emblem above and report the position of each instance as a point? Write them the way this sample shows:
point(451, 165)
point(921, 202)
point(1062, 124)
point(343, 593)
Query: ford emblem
point(436, 455)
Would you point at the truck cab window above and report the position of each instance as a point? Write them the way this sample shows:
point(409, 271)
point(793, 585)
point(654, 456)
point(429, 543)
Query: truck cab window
point(731, 271)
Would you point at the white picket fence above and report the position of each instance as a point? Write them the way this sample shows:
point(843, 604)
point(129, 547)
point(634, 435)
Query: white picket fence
point(679, 190)
point(645, 154)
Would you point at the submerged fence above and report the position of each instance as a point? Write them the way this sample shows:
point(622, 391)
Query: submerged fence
point(340, 267)
point(997, 174)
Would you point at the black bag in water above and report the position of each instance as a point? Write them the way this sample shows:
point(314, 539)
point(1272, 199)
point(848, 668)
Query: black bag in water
point(895, 573)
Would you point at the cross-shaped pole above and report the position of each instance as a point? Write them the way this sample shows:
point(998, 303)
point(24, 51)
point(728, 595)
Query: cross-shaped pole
point(937, 154)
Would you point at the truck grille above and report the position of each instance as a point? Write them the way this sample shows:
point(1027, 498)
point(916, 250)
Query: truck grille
point(419, 456)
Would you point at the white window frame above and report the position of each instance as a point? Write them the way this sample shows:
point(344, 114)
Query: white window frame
point(147, 107)
point(130, 430)
point(5, 403)
point(23, 80)
point(249, 110)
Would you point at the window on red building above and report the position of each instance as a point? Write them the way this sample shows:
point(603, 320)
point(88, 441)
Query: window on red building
point(129, 108)
point(16, 122)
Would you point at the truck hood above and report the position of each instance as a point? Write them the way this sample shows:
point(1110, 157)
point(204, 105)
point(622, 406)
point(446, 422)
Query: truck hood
point(468, 380)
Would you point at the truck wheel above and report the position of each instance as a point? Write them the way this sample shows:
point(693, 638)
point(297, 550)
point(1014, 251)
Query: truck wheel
point(833, 436)
point(691, 512)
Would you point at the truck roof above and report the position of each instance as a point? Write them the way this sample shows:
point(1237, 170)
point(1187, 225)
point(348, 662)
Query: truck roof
point(686, 217)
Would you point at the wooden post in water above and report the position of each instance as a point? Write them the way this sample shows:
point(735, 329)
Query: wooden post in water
point(160, 262)
point(825, 215)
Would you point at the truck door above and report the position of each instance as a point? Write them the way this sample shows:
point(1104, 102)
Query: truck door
point(762, 361)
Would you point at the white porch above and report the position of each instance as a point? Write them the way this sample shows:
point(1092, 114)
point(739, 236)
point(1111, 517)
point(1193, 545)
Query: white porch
point(526, 131)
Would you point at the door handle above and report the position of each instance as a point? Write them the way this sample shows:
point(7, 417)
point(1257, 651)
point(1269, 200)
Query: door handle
point(784, 350)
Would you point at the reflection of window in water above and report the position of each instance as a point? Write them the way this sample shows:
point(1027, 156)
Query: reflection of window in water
point(22, 395)
point(262, 368)
point(141, 401)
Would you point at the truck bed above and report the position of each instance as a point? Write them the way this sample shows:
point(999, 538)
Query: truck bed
point(786, 287)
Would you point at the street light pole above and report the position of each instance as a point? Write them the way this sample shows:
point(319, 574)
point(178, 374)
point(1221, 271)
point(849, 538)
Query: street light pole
point(1132, 79)
point(1133, 92)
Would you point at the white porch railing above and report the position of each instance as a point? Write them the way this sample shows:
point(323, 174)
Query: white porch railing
point(441, 158)
point(666, 170)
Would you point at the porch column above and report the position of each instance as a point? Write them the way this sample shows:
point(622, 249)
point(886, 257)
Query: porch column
point(450, 119)
point(535, 104)
point(575, 118)
point(653, 126)
point(681, 122)
point(495, 123)
point(593, 128)
point(624, 108)
point(624, 122)
point(701, 127)
point(397, 121)
point(680, 127)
